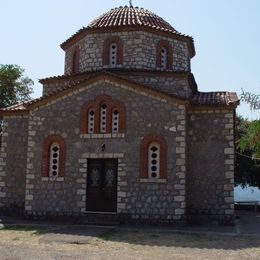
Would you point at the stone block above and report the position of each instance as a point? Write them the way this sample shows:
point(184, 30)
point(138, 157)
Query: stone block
point(179, 211)
point(179, 198)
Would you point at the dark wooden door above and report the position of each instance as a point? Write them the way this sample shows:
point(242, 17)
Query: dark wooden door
point(102, 185)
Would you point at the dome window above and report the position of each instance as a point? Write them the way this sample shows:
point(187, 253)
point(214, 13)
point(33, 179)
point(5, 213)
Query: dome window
point(112, 51)
point(113, 54)
point(163, 58)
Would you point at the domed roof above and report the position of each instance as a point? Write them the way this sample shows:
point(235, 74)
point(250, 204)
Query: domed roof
point(128, 17)
point(131, 16)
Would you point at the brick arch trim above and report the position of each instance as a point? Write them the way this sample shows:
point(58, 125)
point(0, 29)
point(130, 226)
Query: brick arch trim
point(108, 41)
point(95, 105)
point(144, 155)
point(164, 44)
point(75, 60)
point(48, 141)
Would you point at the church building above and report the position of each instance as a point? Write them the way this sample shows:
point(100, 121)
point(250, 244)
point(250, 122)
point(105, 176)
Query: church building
point(124, 132)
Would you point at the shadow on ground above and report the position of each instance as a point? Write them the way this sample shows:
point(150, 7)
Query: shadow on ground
point(150, 236)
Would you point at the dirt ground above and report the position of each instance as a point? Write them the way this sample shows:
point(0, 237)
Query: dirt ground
point(19, 243)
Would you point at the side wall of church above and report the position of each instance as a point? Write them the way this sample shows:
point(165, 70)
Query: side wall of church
point(13, 164)
point(210, 176)
point(139, 51)
point(142, 199)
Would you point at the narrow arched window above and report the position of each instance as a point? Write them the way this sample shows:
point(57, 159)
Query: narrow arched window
point(54, 160)
point(164, 53)
point(113, 54)
point(154, 161)
point(115, 121)
point(153, 157)
point(91, 121)
point(163, 58)
point(103, 118)
point(53, 156)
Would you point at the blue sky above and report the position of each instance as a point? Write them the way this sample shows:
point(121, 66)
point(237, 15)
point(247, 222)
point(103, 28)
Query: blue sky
point(226, 34)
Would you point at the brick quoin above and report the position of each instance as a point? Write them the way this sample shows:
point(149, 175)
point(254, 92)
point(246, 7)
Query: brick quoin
point(108, 41)
point(144, 155)
point(48, 141)
point(95, 106)
point(164, 44)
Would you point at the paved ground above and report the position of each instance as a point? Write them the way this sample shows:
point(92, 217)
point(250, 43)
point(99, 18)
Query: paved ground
point(43, 240)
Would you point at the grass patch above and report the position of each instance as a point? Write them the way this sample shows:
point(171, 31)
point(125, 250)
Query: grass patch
point(33, 230)
point(107, 235)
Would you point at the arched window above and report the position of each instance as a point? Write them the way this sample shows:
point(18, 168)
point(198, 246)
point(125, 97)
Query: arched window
point(53, 159)
point(115, 121)
point(112, 51)
point(163, 58)
point(164, 55)
point(75, 61)
point(103, 118)
point(113, 54)
point(154, 160)
point(91, 121)
point(153, 157)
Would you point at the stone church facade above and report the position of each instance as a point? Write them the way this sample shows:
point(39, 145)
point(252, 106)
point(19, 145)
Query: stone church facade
point(125, 131)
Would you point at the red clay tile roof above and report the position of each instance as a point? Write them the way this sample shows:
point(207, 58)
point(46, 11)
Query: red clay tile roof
point(128, 17)
point(16, 107)
point(131, 16)
point(222, 99)
point(215, 99)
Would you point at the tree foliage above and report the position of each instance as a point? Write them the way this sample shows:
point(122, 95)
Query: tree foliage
point(251, 99)
point(14, 85)
point(251, 137)
point(247, 170)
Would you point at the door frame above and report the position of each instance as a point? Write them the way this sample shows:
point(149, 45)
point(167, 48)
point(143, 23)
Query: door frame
point(103, 170)
point(82, 180)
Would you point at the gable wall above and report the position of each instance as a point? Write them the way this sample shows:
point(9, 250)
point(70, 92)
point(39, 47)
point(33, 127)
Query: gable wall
point(136, 199)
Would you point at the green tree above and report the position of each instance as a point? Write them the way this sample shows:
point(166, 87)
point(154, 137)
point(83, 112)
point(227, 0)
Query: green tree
point(247, 170)
point(14, 85)
point(251, 138)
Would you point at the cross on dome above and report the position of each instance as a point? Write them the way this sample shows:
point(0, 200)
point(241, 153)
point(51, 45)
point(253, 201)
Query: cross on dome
point(130, 3)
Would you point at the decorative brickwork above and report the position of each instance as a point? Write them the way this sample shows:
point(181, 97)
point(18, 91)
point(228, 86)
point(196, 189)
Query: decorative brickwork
point(144, 155)
point(46, 155)
point(95, 106)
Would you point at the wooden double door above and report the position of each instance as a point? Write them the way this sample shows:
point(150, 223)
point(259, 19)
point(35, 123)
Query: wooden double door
point(102, 185)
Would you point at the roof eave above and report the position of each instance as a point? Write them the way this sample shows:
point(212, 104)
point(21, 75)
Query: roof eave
point(14, 112)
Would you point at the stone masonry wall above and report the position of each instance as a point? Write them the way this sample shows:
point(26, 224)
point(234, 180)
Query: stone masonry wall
point(139, 51)
point(13, 163)
point(136, 199)
point(170, 85)
point(210, 178)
